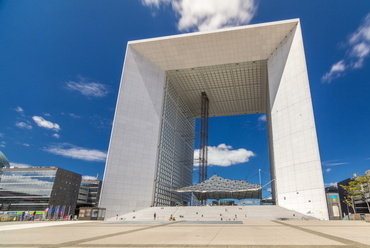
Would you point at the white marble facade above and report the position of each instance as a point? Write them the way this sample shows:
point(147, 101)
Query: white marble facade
point(251, 69)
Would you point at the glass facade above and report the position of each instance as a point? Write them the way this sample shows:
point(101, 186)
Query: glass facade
point(28, 182)
point(176, 151)
point(37, 189)
point(22, 189)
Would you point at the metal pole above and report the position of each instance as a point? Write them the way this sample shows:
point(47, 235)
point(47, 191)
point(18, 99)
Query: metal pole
point(259, 176)
point(203, 149)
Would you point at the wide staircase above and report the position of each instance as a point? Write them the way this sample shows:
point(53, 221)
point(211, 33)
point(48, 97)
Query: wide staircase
point(215, 213)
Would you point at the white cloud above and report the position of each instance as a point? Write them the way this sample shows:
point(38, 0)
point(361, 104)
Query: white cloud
point(23, 125)
point(41, 122)
point(25, 144)
point(331, 184)
point(209, 14)
point(358, 48)
point(2, 144)
point(223, 155)
point(100, 122)
point(19, 109)
point(55, 135)
point(17, 165)
point(336, 71)
point(89, 178)
point(361, 50)
point(333, 163)
point(262, 118)
point(74, 116)
point(86, 88)
point(154, 2)
point(71, 151)
point(328, 170)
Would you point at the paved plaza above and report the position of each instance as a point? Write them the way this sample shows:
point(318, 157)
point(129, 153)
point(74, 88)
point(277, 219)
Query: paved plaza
point(185, 234)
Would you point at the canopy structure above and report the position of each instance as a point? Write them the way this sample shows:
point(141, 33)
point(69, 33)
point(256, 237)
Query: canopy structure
point(217, 188)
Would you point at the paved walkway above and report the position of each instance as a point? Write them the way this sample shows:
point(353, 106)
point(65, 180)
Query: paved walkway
point(185, 234)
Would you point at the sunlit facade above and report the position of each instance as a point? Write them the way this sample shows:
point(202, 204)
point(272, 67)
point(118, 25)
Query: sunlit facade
point(36, 189)
point(251, 69)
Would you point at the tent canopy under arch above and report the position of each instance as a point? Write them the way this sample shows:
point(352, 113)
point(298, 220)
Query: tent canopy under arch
point(218, 188)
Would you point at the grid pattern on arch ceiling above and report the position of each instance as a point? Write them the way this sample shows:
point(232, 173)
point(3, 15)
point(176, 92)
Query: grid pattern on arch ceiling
point(232, 89)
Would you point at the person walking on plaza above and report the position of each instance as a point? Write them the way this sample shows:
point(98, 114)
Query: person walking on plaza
point(155, 216)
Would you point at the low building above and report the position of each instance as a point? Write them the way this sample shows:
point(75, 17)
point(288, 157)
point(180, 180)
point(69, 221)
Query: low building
point(38, 189)
point(91, 213)
point(333, 201)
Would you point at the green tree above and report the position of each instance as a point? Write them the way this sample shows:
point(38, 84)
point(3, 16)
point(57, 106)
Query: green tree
point(364, 188)
point(353, 193)
point(356, 190)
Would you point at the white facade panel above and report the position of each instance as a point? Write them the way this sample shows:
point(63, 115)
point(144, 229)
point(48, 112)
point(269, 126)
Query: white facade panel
point(295, 158)
point(129, 174)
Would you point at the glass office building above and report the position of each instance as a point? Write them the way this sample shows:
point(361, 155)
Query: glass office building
point(89, 193)
point(37, 189)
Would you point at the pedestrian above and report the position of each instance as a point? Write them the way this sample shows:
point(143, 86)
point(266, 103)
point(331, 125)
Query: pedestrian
point(116, 216)
point(33, 215)
point(23, 214)
point(155, 216)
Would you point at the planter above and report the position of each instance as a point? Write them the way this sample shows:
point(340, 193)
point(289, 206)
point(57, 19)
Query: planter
point(355, 217)
point(367, 217)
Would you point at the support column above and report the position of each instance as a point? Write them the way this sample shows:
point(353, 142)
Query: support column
point(203, 150)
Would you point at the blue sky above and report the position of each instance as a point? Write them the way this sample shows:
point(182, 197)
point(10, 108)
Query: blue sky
point(61, 62)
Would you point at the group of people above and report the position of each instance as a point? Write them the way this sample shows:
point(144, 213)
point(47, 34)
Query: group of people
point(28, 216)
point(172, 218)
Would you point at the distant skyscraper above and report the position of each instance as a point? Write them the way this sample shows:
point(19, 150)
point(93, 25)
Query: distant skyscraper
point(244, 70)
